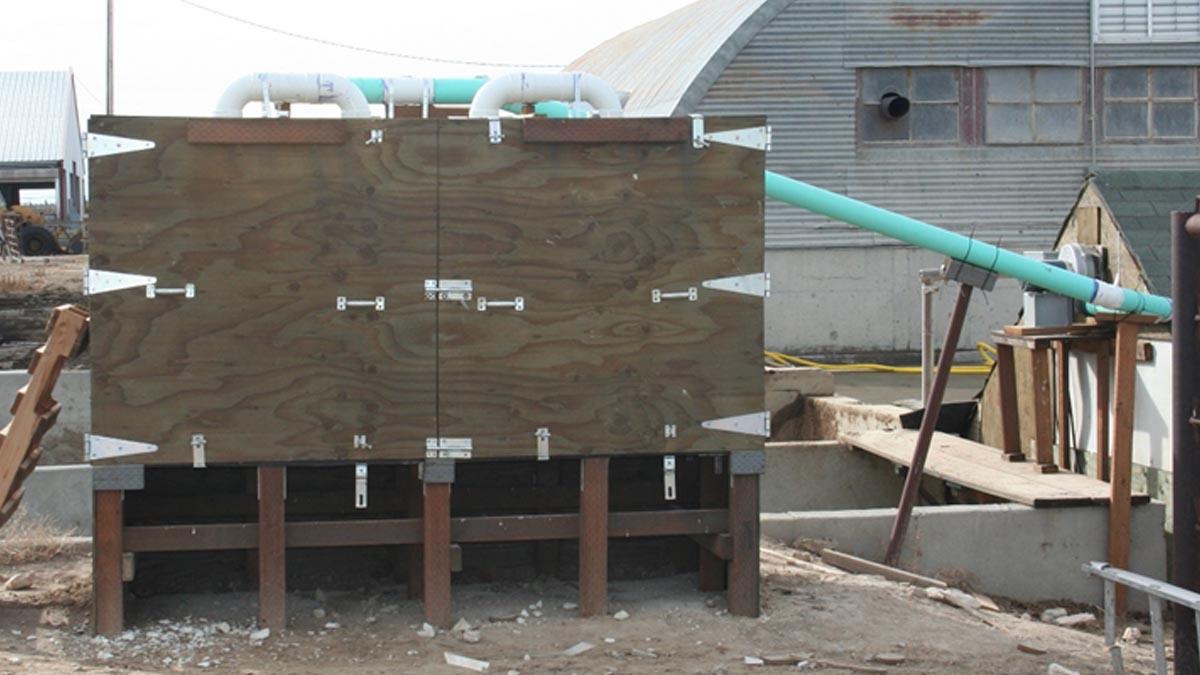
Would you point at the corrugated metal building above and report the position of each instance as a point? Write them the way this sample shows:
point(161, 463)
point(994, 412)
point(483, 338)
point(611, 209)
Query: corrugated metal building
point(40, 142)
point(1012, 102)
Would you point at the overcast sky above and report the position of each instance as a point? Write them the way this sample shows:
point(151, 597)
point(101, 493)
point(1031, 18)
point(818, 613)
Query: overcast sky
point(175, 59)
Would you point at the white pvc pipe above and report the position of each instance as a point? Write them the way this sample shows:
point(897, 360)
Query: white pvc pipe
point(535, 87)
point(293, 88)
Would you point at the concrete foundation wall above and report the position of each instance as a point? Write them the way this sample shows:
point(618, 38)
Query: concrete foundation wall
point(63, 444)
point(847, 300)
point(62, 496)
point(820, 475)
point(1008, 550)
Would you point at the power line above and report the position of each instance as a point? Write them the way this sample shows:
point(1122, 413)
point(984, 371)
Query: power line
point(366, 50)
point(87, 89)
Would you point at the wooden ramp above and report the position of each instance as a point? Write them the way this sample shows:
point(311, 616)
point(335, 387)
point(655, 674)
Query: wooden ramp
point(984, 469)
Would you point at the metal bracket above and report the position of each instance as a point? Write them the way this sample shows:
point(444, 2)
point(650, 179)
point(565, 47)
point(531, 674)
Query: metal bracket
point(692, 294)
point(188, 291)
point(103, 281)
point(753, 424)
point(379, 303)
point(361, 442)
point(971, 275)
point(102, 145)
point(448, 289)
point(437, 471)
point(376, 137)
point(495, 131)
point(106, 447)
point(755, 138)
point(669, 477)
point(118, 477)
point(517, 303)
point(199, 442)
point(747, 284)
point(448, 448)
point(747, 462)
point(543, 443)
point(670, 431)
point(360, 485)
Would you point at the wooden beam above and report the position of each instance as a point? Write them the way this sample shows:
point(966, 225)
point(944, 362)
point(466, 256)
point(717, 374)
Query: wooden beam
point(108, 591)
point(1122, 450)
point(742, 596)
point(1062, 389)
point(436, 554)
point(713, 492)
point(1043, 418)
point(1103, 365)
point(719, 546)
point(1010, 426)
point(414, 496)
point(272, 572)
point(593, 536)
point(858, 565)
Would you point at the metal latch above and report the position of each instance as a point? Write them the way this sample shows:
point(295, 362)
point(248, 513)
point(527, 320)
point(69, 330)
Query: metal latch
point(188, 291)
point(361, 442)
point(101, 145)
point(103, 281)
point(670, 431)
point(448, 448)
point(106, 447)
point(517, 303)
point(669, 477)
point(747, 284)
point(543, 443)
point(378, 303)
point(755, 138)
point(199, 443)
point(495, 131)
point(691, 294)
point(376, 137)
point(753, 424)
point(360, 485)
point(448, 289)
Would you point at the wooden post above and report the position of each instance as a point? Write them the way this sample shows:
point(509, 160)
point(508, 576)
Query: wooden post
point(1102, 412)
point(272, 570)
point(1010, 426)
point(108, 592)
point(436, 554)
point(1122, 450)
point(742, 596)
point(712, 495)
point(593, 536)
point(415, 561)
point(1062, 384)
point(1043, 418)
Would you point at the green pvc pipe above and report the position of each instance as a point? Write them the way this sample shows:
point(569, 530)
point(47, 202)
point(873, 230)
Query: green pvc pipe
point(446, 90)
point(962, 248)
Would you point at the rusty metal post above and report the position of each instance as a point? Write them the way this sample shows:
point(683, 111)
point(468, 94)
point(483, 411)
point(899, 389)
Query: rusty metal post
point(933, 408)
point(1185, 283)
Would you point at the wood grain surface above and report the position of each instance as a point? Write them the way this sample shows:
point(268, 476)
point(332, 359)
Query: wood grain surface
point(271, 233)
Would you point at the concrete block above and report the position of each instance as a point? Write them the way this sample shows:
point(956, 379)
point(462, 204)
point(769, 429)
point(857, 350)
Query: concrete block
point(63, 444)
point(62, 495)
point(825, 475)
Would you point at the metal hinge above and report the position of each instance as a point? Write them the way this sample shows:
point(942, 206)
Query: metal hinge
point(103, 281)
point(448, 448)
point(747, 284)
point(543, 443)
point(495, 131)
point(360, 485)
point(755, 138)
point(106, 447)
point(669, 477)
point(754, 424)
point(100, 145)
point(448, 289)
point(199, 444)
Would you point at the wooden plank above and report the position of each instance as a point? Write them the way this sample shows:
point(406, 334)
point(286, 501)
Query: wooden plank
point(272, 549)
point(673, 130)
point(1103, 365)
point(1062, 392)
point(981, 468)
point(1119, 509)
point(713, 493)
point(858, 565)
point(593, 536)
point(1043, 417)
point(261, 361)
point(108, 591)
point(1010, 428)
point(584, 233)
point(436, 554)
point(742, 594)
point(268, 132)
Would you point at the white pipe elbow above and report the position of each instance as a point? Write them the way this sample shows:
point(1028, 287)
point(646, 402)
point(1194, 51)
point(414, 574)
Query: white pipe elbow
point(535, 87)
point(293, 88)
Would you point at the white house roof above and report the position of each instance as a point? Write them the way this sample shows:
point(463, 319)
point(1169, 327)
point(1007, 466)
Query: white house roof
point(34, 110)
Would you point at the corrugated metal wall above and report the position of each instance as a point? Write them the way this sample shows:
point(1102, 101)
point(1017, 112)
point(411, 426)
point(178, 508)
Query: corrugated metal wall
point(800, 71)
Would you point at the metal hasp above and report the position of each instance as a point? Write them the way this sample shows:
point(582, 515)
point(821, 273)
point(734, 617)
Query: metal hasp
point(495, 131)
point(758, 285)
point(753, 424)
point(669, 477)
point(106, 447)
point(102, 145)
point(755, 138)
point(187, 291)
point(517, 303)
point(543, 443)
point(104, 281)
point(378, 304)
point(360, 485)
point(375, 138)
point(199, 445)
point(692, 294)
point(448, 289)
point(448, 448)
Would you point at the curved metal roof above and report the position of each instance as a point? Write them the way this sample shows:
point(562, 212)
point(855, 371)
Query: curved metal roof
point(668, 64)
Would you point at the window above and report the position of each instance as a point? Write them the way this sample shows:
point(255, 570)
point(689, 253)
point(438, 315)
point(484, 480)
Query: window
point(1149, 103)
point(931, 114)
point(1146, 20)
point(1034, 105)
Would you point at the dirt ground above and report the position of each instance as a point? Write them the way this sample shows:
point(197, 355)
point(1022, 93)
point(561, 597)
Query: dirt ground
point(29, 290)
point(817, 616)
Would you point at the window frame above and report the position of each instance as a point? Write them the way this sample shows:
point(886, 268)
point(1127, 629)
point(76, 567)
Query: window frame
point(963, 103)
point(984, 101)
point(1102, 101)
point(1148, 37)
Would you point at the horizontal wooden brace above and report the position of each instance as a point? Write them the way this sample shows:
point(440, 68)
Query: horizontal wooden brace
point(720, 545)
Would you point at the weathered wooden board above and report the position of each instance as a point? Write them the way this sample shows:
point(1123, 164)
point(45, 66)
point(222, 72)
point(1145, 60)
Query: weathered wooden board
point(260, 361)
point(583, 233)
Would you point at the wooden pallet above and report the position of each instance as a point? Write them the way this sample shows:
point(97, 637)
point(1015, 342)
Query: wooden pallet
point(34, 410)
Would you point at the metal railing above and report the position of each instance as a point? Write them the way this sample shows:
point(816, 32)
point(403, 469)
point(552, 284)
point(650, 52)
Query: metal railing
point(1156, 591)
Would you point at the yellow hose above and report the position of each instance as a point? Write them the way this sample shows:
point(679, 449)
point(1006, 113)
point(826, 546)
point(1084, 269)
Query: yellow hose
point(986, 351)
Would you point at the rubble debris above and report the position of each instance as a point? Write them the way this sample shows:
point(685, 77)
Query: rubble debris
point(1131, 635)
point(470, 636)
point(318, 613)
point(1076, 620)
point(1030, 649)
point(844, 665)
point(427, 631)
point(1049, 615)
point(621, 615)
point(54, 616)
point(19, 582)
point(260, 634)
point(1056, 669)
point(570, 606)
point(953, 596)
point(578, 648)
point(753, 661)
point(460, 661)
point(460, 626)
point(889, 658)
point(785, 659)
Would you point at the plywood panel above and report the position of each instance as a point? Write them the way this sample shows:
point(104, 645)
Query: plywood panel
point(584, 232)
point(261, 362)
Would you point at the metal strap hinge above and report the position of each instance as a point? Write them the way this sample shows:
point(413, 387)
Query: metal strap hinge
point(106, 447)
point(669, 477)
point(103, 281)
point(448, 289)
point(199, 444)
point(101, 145)
point(543, 443)
point(360, 485)
point(448, 448)
point(755, 138)
point(758, 285)
point(753, 424)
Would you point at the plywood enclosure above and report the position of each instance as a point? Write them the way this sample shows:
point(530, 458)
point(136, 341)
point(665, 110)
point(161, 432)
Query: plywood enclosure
point(273, 220)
